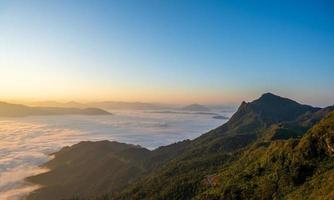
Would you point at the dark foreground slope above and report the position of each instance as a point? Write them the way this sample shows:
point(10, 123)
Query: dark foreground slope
point(93, 168)
point(16, 110)
point(185, 170)
point(90, 168)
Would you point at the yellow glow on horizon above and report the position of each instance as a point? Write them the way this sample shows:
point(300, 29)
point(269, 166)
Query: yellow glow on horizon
point(28, 83)
point(129, 95)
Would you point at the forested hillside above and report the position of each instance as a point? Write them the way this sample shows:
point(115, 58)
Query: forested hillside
point(271, 148)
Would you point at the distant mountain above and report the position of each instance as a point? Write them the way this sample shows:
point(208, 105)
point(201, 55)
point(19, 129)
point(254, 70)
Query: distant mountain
point(223, 107)
point(196, 107)
point(182, 112)
point(113, 105)
point(16, 110)
point(70, 104)
point(260, 153)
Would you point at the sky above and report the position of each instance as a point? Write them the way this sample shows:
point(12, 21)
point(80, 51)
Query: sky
point(169, 51)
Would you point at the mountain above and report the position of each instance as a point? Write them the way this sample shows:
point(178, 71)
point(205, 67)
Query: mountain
point(242, 159)
point(275, 108)
point(111, 105)
point(109, 165)
point(196, 107)
point(16, 110)
point(114, 105)
point(284, 169)
point(120, 105)
point(89, 168)
point(70, 104)
point(181, 177)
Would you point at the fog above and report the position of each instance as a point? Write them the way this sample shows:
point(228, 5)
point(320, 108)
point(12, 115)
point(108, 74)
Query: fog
point(25, 143)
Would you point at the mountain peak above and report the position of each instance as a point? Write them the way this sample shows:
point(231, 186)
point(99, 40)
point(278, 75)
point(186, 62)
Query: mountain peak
point(272, 108)
point(276, 108)
point(272, 100)
point(269, 94)
point(270, 97)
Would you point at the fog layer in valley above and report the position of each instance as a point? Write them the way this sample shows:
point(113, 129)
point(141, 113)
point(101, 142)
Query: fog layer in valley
point(26, 142)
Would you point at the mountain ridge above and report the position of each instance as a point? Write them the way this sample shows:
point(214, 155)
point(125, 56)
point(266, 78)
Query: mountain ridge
point(18, 110)
point(177, 171)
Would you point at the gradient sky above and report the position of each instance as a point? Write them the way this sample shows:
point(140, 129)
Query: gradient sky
point(168, 51)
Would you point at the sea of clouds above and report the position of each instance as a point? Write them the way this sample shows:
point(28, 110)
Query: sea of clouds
point(25, 143)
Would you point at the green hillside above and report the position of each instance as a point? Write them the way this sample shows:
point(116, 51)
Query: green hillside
point(282, 169)
point(270, 148)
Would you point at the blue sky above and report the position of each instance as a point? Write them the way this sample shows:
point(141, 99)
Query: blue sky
point(167, 51)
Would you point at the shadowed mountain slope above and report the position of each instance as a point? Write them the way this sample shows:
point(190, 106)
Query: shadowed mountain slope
point(90, 168)
point(274, 108)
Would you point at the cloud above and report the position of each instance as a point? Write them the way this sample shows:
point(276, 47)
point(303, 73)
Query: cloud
point(12, 184)
point(25, 143)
